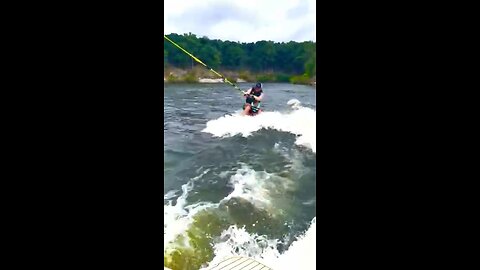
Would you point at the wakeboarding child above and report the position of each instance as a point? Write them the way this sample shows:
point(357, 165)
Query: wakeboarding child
point(253, 97)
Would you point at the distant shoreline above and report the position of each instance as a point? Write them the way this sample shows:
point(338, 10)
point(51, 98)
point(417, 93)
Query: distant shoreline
point(208, 80)
point(199, 75)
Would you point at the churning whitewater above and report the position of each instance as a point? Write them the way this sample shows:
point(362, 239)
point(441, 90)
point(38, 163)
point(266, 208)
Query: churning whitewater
point(239, 185)
point(301, 121)
point(251, 186)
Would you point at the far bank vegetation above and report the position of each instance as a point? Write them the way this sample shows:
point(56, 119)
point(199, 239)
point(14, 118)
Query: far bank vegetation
point(264, 61)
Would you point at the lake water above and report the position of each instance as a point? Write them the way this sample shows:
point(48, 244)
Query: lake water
point(239, 185)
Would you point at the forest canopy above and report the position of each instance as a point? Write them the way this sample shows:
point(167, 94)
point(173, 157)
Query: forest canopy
point(289, 59)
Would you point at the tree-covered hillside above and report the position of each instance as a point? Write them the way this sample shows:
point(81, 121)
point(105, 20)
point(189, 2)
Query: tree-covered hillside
point(263, 57)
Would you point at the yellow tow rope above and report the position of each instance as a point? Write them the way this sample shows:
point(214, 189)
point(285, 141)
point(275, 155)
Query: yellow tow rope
point(199, 61)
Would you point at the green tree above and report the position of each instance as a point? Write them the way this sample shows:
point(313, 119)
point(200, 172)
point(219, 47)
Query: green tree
point(233, 57)
point(210, 56)
point(288, 59)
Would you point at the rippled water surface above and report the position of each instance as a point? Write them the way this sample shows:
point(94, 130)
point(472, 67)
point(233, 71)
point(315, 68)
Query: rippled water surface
point(239, 185)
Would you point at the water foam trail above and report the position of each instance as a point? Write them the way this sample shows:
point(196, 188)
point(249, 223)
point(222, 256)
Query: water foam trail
point(264, 190)
point(259, 188)
point(178, 217)
point(301, 254)
point(301, 121)
point(238, 242)
point(248, 184)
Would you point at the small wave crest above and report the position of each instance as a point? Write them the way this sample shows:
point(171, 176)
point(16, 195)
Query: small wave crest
point(179, 216)
point(300, 121)
point(238, 242)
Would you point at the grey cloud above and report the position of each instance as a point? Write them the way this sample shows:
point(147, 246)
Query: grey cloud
point(200, 20)
point(304, 33)
point(299, 10)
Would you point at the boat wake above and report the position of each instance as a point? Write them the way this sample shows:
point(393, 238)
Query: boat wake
point(249, 221)
point(238, 242)
point(300, 121)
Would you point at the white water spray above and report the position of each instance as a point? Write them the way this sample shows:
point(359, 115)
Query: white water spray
point(301, 121)
point(238, 242)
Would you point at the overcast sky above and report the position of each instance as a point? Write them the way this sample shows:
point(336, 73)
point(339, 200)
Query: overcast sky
point(242, 20)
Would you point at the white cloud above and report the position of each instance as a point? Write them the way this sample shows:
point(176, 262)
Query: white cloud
point(242, 20)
